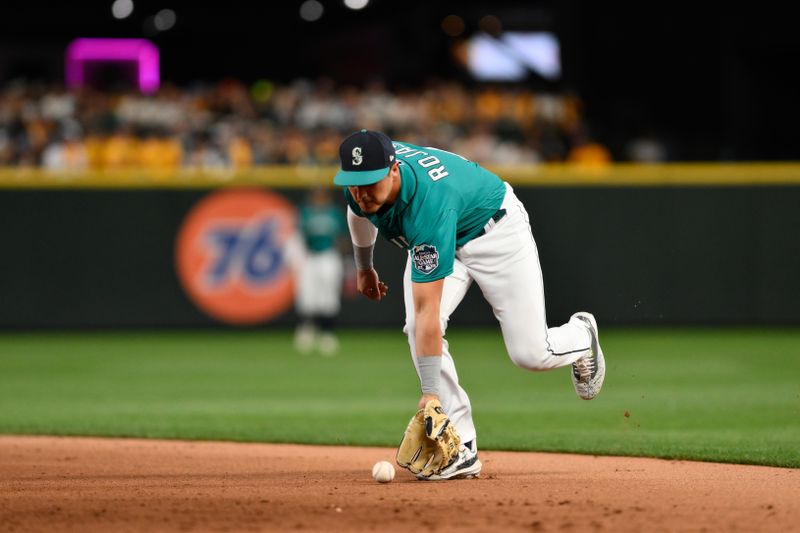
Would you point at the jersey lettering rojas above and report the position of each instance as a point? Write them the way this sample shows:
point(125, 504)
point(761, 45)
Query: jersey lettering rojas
point(436, 173)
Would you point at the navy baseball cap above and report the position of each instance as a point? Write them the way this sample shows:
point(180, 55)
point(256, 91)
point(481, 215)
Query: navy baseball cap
point(366, 158)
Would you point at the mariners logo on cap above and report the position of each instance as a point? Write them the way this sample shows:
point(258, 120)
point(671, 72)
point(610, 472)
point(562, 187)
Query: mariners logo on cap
point(366, 156)
point(357, 157)
point(426, 258)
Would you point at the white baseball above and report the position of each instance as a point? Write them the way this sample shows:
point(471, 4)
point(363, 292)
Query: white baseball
point(383, 472)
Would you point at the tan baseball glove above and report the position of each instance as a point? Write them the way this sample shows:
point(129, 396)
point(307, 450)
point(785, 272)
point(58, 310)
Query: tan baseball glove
point(430, 443)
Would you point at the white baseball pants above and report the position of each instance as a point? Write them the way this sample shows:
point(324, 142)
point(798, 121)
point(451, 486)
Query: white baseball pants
point(504, 263)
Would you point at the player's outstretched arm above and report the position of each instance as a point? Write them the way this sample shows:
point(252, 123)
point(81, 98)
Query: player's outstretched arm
point(364, 234)
point(428, 336)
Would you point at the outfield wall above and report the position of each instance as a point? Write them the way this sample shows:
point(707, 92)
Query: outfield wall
point(673, 244)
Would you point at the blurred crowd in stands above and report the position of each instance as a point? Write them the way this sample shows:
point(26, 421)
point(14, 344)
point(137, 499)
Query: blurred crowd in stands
point(236, 126)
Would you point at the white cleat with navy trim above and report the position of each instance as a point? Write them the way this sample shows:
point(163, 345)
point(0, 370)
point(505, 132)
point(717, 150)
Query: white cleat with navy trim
point(589, 371)
point(467, 465)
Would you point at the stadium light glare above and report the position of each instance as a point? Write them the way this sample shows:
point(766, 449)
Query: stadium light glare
point(511, 56)
point(311, 10)
point(356, 4)
point(122, 9)
point(164, 19)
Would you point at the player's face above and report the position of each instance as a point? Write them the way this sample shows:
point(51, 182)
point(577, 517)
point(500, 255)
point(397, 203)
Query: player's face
point(370, 198)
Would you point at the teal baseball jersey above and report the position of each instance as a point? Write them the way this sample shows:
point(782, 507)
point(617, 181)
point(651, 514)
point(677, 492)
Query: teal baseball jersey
point(444, 202)
point(321, 227)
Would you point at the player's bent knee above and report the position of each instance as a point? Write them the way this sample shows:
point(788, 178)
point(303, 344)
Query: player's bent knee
point(531, 358)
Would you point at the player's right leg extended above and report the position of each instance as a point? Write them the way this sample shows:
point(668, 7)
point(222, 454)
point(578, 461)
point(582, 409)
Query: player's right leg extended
point(505, 264)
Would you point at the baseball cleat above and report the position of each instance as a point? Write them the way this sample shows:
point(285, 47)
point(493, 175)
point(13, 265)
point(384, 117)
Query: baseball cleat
point(328, 344)
point(304, 338)
point(589, 371)
point(465, 466)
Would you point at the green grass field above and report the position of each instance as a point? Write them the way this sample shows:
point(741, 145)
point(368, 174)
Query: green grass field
point(721, 395)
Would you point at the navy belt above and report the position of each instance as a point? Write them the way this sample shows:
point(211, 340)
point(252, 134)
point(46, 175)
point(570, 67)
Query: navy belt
point(499, 214)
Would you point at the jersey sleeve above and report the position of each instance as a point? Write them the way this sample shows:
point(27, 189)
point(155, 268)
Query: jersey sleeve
point(433, 251)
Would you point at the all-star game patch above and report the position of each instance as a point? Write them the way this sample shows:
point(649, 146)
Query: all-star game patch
point(426, 258)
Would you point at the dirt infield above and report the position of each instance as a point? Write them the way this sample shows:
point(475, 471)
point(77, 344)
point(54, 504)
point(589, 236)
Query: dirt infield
point(87, 484)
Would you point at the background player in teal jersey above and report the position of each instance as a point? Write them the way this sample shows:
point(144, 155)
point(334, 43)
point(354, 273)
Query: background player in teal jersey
point(318, 272)
point(459, 223)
